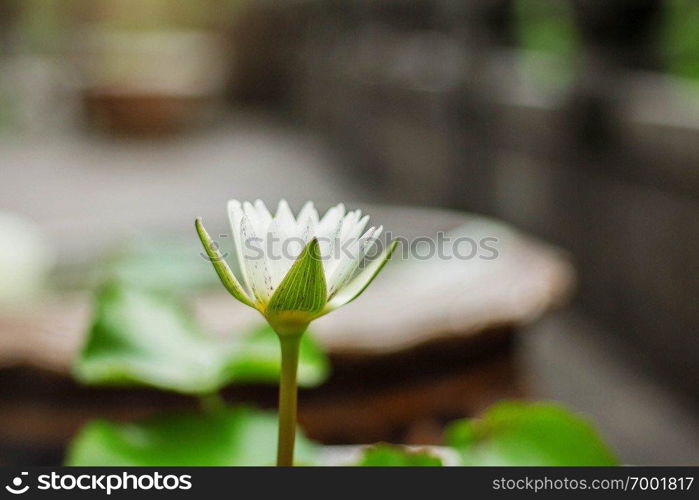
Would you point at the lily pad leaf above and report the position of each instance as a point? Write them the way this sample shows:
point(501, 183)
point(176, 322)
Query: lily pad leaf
point(143, 337)
point(521, 434)
point(259, 359)
point(387, 455)
point(225, 437)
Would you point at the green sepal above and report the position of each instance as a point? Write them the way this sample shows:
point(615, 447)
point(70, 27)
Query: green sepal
point(302, 294)
point(221, 266)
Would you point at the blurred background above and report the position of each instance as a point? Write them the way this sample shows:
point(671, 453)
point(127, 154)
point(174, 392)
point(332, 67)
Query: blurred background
point(574, 122)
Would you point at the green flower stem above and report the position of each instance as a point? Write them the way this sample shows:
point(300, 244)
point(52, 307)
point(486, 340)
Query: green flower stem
point(288, 392)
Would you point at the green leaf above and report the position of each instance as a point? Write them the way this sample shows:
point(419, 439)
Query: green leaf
point(302, 292)
point(142, 337)
point(386, 455)
point(521, 434)
point(229, 436)
point(260, 359)
point(224, 272)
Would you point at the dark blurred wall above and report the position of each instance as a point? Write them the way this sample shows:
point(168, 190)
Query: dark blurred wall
point(563, 117)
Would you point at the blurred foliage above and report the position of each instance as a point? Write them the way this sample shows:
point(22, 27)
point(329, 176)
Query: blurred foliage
point(387, 455)
point(140, 15)
point(510, 433)
point(146, 337)
point(160, 263)
point(228, 436)
point(42, 25)
point(680, 37)
point(260, 359)
point(547, 28)
point(26, 259)
point(539, 434)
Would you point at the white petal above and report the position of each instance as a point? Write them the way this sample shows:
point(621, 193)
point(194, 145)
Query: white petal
point(255, 219)
point(358, 227)
point(357, 286)
point(308, 212)
point(256, 266)
point(349, 233)
point(281, 257)
point(286, 219)
point(349, 265)
point(331, 220)
point(306, 228)
point(259, 223)
point(375, 238)
point(235, 215)
point(328, 234)
point(352, 227)
point(263, 214)
point(341, 243)
point(348, 223)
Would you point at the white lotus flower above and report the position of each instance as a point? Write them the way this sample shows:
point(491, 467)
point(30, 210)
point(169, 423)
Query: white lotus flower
point(296, 269)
